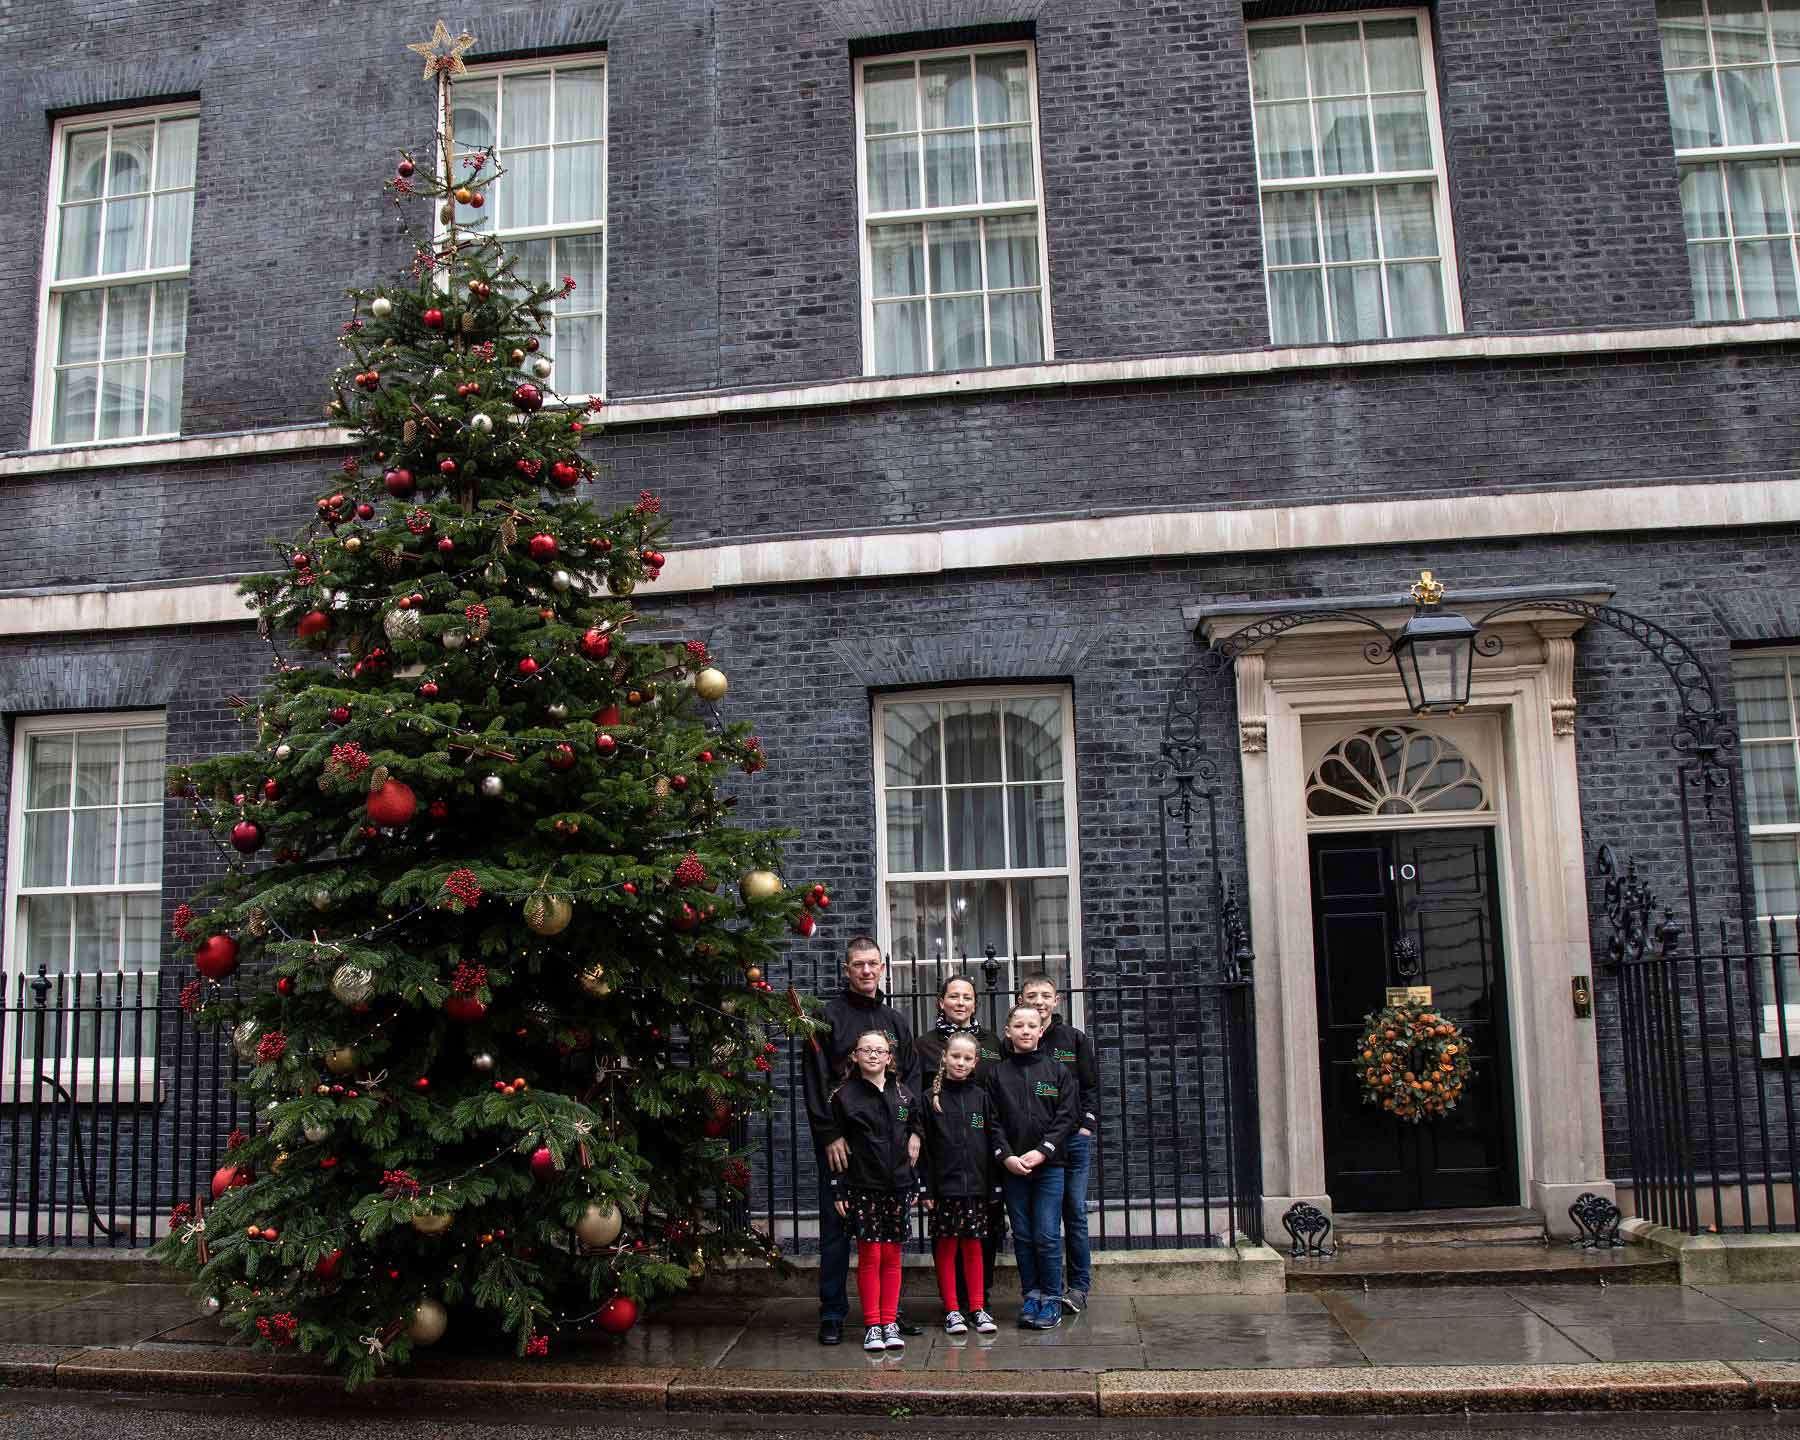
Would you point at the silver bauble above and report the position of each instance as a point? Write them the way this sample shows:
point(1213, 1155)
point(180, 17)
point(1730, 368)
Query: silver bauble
point(455, 639)
point(427, 1323)
point(557, 710)
point(495, 574)
point(381, 307)
point(599, 1225)
point(283, 750)
point(481, 423)
point(245, 1037)
point(320, 899)
point(541, 367)
point(561, 580)
point(401, 624)
point(352, 984)
point(492, 786)
point(316, 1134)
point(210, 1305)
point(482, 1061)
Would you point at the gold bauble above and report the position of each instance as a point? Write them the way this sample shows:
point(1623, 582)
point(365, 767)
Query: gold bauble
point(245, 1038)
point(593, 980)
point(710, 684)
point(427, 1323)
point(431, 1224)
point(759, 884)
point(599, 1225)
point(281, 1158)
point(352, 543)
point(340, 1061)
point(547, 914)
point(620, 584)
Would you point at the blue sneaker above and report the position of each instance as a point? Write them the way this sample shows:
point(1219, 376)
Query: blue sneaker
point(1028, 1312)
point(1049, 1315)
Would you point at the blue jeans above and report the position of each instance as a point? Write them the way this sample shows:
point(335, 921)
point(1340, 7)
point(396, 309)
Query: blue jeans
point(1078, 1156)
point(834, 1249)
point(1034, 1205)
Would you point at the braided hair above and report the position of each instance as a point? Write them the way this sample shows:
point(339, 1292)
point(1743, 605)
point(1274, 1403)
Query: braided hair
point(937, 1079)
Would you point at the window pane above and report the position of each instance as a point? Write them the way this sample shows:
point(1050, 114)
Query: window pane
point(1335, 52)
point(1356, 303)
point(917, 922)
point(889, 99)
point(1277, 64)
point(524, 193)
point(1715, 295)
point(1290, 228)
point(92, 852)
point(1758, 206)
point(1764, 705)
point(1296, 308)
point(1284, 148)
point(142, 946)
point(1408, 221)
point(140, 845)
point(1034, 732)
point(1016, 328)
point(127, 321)
point(978, 917)
point(1003, 88)
point(1402, 133)
point(950, 168)
point(915, 830)
point(78, 337)
point(957, 339)
point(472, 113)
point(1349, 217)
point(97, 933)
point(910, 745)
point(578, 183)
point(78, 246)
point(125, 234)
point(50, 762)
point(1416, 298)
point(893, 174)
point(143, 779)
point(1702, 201)
point(897, 260)
point(77, 392)
point(525, 110)
point(580, 101)
point(97, 767)
point(47, 848)
point(1769, 782)
point(1006, 172)
point(176, 142)
point(971, 741)
point(955, 256)
point(1749, 102)
point(1683, 27)
point(1739, 31)
point(1344, 138)
point(84, 173)
point(129, 172)
point(1784, 16)
point(976, 820)
point(47, 924)
point(582, 257)
point(1766, 278)
point(164, 417)
point(1012, 252)
point(169, 234)
point(1041, 916)
point(121, 400)
point(1394, 59)
point(1790, 98)
point(1692, 113)
point(1777, 863)
point(900, 338)
point(1039, 835)
point(948, 90)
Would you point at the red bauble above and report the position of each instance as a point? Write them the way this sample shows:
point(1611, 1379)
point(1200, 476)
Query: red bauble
point(528, 397)
point(617, 1315)
point(429, 690)
point(314, 622)
point(432, 319)
point(446, 466)
point(404, 169)
point(439, 809)
point(476, 200)
point(541, 546)
point(271, 788)
point(596, 644)
point(285, 986)
point(327, 1266)
point(607, 715)
point(399, 482)
point(805, 925)
point(340, 715)
point(543, 1164)
point(365, 511)
point(217, 957)
point(392, 803)
point(605, 743)
point(246, 837)
point(562, 757)
point(565, 474)
point(686, 918)
point(465, 1008)
point(718, 1124)
point(528, 666)
point(230, 1177)
point(445, 545)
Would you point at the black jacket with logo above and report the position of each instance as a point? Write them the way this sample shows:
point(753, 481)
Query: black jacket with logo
point(959, 1149)
point(1035, 1105)
point(930, 1049)
point(1063, 1042)
point(849, 1014)
point(877, 1123)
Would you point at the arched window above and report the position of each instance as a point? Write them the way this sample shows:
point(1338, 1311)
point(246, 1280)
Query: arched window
point(1394, 770)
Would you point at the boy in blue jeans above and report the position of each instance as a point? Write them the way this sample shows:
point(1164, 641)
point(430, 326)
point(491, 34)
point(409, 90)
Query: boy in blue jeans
point(1063, 1042)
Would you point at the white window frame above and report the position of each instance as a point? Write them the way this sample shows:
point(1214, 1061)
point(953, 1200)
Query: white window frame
point(1437, 176)
point(1071, 869)
point(927, 214)
point(1719, 156)
point(49, 311)
point(511, 69)
point(1787, 926)
point(134, 1080)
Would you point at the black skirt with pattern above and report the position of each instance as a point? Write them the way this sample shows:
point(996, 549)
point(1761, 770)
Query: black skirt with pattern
point(960, 1218)
point(879, 1216)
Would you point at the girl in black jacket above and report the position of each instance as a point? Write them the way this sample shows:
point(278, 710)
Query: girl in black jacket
point(1035, 1103)
point(960, 1180)
point(879, 1118)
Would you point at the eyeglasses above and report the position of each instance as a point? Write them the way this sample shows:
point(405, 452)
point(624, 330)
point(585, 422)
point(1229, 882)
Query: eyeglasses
point(883, 1052)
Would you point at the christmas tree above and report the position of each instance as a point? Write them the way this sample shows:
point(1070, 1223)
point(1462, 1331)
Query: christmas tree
point(487, 944)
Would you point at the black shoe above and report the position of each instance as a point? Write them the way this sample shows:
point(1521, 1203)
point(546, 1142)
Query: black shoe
point(831, 1332)
point(909, 1327)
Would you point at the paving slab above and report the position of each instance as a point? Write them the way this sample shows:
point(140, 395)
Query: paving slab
point(48, 1291)
point(950, 1357)
point(116, 1318)
point(33, 1365)
point(1662, 1304)
point(794, 1349)
point(889, 1392)
point(1743, 1339)
point(1521, 1339)
point(1756, 1297)
point(1179, 1307)
point(1446, 1302)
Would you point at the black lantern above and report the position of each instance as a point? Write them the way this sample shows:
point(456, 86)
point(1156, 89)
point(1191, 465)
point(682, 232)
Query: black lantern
point(1435, 653)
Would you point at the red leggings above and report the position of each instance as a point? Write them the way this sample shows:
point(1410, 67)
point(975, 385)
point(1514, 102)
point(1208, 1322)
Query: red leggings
point(945, 1252)
point(878, 1281)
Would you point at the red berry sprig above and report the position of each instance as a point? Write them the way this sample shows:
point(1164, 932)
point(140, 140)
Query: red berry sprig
point(463, 886)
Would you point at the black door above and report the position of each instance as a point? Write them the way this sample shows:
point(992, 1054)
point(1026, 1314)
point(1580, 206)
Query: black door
point(1413, 907)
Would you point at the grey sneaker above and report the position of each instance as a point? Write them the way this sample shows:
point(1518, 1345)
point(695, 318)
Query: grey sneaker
point(874, 1339)
point(1074, 1301)
point(954, 1324)
point(984, 1323)
point(892, 1338)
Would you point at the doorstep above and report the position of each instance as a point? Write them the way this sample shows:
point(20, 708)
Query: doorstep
point(1720, 1259)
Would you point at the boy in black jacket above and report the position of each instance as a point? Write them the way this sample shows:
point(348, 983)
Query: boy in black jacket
point(857, 1008)
point(1062, 1041)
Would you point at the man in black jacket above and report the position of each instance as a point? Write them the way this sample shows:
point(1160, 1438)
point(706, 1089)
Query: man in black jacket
point(1062, 1041)
point(859, 1007)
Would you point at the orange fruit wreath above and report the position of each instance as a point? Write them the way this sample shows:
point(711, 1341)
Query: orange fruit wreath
point(1413, 1062)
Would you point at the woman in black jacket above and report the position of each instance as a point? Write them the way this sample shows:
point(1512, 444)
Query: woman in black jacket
point(1035, 1104)
point(960, 1181)
point(879, 1118)
point(956, 1016)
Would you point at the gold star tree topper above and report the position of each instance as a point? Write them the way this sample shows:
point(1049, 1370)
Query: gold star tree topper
point(443, 55)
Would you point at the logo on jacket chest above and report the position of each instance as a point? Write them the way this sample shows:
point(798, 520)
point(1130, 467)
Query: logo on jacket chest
point(1066, 1056)
point(977, 1121)
point(1046, 1090)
